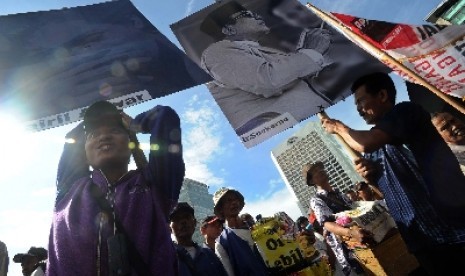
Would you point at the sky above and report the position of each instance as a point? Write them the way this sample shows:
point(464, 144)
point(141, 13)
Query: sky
point(212, 152)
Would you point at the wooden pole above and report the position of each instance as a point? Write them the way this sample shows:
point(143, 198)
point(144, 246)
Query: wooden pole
point(381, 55)
point(352, 153)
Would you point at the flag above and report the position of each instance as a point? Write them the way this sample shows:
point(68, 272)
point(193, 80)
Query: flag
point(53, 64)
point(433, 52)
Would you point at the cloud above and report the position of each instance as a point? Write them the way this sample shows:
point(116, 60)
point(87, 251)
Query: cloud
point(202, 141)
point(22, 229)
point(279, 201)
point(189, 7)
point(272, 185)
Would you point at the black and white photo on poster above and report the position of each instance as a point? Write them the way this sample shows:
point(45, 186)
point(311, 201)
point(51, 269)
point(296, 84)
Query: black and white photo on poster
point(271, 60)
point(54, 63)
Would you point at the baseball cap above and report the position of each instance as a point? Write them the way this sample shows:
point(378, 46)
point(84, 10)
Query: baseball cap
point(102, 113)
point(181, 207)
point(209, 220)
point(39, 252)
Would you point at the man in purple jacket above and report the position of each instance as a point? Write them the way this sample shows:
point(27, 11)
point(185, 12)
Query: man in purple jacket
point(108, 220)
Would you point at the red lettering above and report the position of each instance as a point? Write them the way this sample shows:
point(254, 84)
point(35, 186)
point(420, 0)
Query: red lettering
point(456, 71)
point(446, 61)
point(422, 66)
point(431, 74)
point(441, 82)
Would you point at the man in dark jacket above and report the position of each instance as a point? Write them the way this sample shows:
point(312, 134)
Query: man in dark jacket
point(193, 259)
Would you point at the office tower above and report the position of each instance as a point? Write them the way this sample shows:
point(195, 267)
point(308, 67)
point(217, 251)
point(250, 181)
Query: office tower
point(310, 144)
point(448, 12)
point(196, 194)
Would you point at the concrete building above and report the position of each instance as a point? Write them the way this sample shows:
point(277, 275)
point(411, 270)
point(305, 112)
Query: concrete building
point(196, 194)
point(448, 12)
point(310, 144)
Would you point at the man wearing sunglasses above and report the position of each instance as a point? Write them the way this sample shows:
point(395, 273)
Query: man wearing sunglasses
point(249, 76)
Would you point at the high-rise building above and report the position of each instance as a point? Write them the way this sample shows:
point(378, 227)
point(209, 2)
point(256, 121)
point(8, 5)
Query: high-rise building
point(196, 194)
point(448, 12)
point(310, 144)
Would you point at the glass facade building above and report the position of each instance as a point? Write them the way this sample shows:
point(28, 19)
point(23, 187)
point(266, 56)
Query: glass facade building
point(448, 12)
point(310, 144)
point(196, 194)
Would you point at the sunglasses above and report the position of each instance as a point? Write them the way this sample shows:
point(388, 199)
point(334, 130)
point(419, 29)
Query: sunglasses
point(245, 14)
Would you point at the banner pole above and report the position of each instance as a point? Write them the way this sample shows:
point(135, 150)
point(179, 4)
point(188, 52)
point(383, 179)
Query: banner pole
point(352, 153)
point(383, 56)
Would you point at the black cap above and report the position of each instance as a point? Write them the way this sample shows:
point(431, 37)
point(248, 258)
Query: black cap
point(39, 252)
point(218, 18)
point(182, 207)
point(102, 112)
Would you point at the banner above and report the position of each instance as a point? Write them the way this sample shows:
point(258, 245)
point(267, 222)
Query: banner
point(372, 216)
point(55, 63)
point(285, 251)
point(273, 63)
point(433, 52)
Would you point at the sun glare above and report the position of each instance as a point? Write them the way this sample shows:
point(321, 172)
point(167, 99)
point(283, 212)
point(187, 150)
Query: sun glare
point(16, 145)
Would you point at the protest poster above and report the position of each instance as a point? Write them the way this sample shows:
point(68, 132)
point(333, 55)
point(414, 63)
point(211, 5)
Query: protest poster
point(273, 63)
point(53, 64)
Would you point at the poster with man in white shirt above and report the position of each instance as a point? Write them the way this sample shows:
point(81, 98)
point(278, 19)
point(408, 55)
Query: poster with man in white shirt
point(274, 63)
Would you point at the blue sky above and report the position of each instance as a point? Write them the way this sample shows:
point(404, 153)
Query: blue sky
point(213, 153)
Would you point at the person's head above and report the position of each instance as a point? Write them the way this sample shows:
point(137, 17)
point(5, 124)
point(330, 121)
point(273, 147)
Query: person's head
point(228, 203)
point(352, 194)
point(107, 140)
point(248, 218)
point(314, 174)
point(364, 192)
point(233, 20)
point(301, 223)
point(451, 129)
point(211, 227)
point(293, 13)
point(30, 259)
point(375, 95)
point(183, 222)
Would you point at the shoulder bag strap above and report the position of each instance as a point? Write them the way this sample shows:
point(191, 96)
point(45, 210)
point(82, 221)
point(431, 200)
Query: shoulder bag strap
point(134, 257)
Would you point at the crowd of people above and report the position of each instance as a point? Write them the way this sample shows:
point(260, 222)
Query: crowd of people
point(112, 221)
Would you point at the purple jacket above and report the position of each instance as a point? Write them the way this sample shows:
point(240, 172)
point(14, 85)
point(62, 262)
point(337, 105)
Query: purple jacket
point(143, 200)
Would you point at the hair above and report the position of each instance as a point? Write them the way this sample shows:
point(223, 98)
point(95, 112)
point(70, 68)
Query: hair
point(376, 82)
point(360, 185)
point(300, 220)
point(307, 169)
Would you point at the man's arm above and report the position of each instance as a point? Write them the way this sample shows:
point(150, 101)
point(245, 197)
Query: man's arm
point(359, 140)
point(247, 68)
point(73, 162)
point(165, 170)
